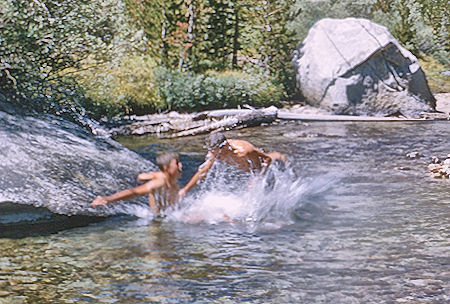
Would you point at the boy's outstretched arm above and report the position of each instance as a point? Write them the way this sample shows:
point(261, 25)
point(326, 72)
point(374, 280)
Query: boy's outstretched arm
point(129, 193)
point(200, 174)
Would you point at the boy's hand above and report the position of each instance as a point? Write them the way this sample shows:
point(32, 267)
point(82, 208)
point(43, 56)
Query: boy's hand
point(182, 193)
point(141, 178)
point(99, 201)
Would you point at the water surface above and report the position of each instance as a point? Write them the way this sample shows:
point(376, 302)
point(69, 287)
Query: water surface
point(353, 220)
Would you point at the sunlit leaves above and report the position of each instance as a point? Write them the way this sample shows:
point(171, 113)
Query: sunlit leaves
point(41, 40)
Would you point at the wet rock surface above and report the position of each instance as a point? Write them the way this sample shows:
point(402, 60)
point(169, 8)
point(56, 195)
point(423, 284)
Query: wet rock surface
point(440, 169)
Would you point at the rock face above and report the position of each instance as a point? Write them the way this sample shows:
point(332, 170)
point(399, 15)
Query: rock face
point(354, 66)
point(54, 164)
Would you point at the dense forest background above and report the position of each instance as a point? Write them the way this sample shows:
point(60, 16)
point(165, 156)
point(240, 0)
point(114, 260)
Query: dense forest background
point(102, 58)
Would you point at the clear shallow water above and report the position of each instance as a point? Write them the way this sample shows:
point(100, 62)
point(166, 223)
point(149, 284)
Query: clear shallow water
point(356, 222)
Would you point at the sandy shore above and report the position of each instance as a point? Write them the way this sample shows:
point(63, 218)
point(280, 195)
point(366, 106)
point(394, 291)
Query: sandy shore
point(443, 102)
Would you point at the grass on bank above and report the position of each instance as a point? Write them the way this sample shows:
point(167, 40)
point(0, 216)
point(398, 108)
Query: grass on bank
point(433, 70)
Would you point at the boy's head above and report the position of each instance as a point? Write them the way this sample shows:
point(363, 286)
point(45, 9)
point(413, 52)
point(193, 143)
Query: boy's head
point(215, 140)
point(164, 159)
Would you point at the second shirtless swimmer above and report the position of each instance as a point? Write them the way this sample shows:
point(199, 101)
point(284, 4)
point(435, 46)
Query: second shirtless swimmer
point(239, 153)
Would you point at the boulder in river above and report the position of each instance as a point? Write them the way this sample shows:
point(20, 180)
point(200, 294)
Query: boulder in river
point(51, 169)
point(355, 66)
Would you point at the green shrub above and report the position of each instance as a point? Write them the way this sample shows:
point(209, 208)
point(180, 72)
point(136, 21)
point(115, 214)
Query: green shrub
point(43, 42)
point(136, 86)
point(433, 70)
point(213, 90)
point(127, 87)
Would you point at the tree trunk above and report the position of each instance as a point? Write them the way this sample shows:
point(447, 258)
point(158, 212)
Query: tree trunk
point(235, 38)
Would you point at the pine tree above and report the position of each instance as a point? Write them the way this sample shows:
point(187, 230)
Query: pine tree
point(272, 39)
point(169, 29)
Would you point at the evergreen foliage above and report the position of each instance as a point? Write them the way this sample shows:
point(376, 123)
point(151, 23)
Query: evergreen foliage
point(114, 57)
point(200, 35)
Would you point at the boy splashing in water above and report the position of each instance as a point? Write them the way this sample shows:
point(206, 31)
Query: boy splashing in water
point(238, 153)
point(161, 186)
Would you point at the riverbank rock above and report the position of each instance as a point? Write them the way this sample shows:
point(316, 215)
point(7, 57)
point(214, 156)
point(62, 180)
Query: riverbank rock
point(356, 67)
point(443, 102)
point(440, 169)
point(55, 164)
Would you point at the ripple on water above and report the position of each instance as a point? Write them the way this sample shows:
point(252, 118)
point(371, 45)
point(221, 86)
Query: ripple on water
point(349, 228)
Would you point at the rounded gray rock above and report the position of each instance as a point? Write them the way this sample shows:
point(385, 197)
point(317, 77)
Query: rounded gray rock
point(355, 66)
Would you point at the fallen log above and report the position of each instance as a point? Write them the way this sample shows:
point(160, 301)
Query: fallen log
point(218, 114)
point(174, 124)
point(228, 122)
point(251, 119)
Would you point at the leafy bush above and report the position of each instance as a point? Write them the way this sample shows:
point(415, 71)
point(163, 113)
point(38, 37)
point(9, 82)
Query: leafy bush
point(42, 43)
point(434, 70)
point(212, 90)
point(127, 87)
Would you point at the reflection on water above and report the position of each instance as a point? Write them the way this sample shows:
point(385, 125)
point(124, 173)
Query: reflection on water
point(361, 223)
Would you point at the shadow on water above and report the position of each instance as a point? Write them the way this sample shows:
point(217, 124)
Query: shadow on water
point(19, 221)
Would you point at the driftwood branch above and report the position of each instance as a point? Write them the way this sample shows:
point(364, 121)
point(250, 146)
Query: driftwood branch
point(248, 119)
point(177, 125)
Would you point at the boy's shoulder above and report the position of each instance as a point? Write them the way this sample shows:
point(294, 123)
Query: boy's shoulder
point(158, 175)
point(240, 143)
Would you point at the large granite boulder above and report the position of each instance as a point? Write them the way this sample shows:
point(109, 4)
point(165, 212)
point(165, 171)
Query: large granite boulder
point(354, 66)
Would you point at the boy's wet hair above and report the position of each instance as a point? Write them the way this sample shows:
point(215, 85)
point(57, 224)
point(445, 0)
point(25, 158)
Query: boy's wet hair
point(214, 140)
point(164, 159)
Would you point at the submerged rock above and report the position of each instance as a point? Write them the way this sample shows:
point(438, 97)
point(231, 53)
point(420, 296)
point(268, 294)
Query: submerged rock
point(413, 155)
point(354, 66)
point(19, 220)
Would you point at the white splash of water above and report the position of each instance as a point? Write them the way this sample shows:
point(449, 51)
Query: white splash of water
point(226, 196)
point(140, 211)
point(268, 201)
point(211, 207)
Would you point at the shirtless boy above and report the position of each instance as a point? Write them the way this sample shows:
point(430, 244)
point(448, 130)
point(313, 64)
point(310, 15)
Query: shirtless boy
point(161, 186)
point(239, 153)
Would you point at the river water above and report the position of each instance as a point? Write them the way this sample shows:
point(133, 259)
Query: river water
point(352, 219)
